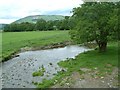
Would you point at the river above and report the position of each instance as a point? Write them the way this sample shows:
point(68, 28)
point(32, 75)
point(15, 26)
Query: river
point(17, 72)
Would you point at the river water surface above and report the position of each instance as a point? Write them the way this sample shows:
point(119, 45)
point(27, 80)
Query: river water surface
point(17, 72)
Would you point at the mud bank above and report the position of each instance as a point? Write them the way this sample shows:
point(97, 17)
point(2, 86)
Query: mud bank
point(51, 46)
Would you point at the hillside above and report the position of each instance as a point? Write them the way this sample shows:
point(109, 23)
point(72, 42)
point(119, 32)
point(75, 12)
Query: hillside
point(34, 18)
point(2, 26)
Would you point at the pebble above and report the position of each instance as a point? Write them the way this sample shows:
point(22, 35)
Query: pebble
point(112, 78)
point(14, 67)
point(50, 63)
point(25, 65)
point(18, 84)
point(11, 71)
point(3, 73)
point(67, 84)
point(103, 81)
point(23, 86)
point(63, 70)
point(2, 79)
point(29, 65)
point(102, 77)
point(27, 82)
point(95, 77)
point(89, 73)
point(54, 74)
point(108, 84)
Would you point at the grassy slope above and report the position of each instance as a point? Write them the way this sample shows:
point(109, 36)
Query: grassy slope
point(13, 41)
point(103, 62)
point(93, 59)
point(45, 17)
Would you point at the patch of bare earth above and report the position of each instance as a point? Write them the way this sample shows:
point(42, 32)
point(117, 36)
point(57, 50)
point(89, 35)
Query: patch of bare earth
point(89, 79)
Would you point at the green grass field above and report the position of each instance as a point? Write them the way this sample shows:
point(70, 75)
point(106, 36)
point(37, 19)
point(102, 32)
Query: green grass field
point(13, 41)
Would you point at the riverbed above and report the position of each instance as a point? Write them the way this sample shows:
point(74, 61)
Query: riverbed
point(17, 72)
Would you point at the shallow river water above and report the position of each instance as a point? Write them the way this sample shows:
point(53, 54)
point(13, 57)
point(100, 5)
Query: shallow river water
point(17, 72)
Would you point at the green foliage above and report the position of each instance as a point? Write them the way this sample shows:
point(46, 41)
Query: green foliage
point(47, 83)
point(65, 24)
point(95, 21)
point(92, 59)
point(40, 25)
point(40, 72)
point(14, 27)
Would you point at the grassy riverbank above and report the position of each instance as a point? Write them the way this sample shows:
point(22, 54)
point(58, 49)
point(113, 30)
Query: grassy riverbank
point(103, 63)
point(13, 41)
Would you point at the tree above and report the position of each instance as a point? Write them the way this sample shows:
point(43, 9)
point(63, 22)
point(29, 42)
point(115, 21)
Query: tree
point(40, 25)
point(7, 28)
point(49, 25)
point(94, 22)
point(65, 23)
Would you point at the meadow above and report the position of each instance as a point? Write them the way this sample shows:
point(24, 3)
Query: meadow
point(13, 41)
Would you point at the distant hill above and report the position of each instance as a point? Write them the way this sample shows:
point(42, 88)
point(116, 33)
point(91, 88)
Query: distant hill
point(34, 18)
point(2, 26)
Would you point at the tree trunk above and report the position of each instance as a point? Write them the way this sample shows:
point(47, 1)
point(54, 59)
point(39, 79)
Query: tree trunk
point(102, 41)
point(102, 46)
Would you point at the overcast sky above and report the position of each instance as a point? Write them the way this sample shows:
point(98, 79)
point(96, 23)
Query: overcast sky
point(11, 10)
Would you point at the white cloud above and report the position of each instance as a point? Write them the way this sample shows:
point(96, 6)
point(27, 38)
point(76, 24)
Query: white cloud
point(15, 9)
point(6, 21)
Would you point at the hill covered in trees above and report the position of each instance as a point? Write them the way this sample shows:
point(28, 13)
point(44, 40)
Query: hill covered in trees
point(35, 18)
point(43, 23)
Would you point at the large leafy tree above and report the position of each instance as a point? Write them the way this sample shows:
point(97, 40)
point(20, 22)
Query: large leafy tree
point(95, 21)
point(40, 25)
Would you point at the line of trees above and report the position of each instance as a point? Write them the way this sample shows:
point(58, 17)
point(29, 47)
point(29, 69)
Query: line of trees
point(40, 25)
